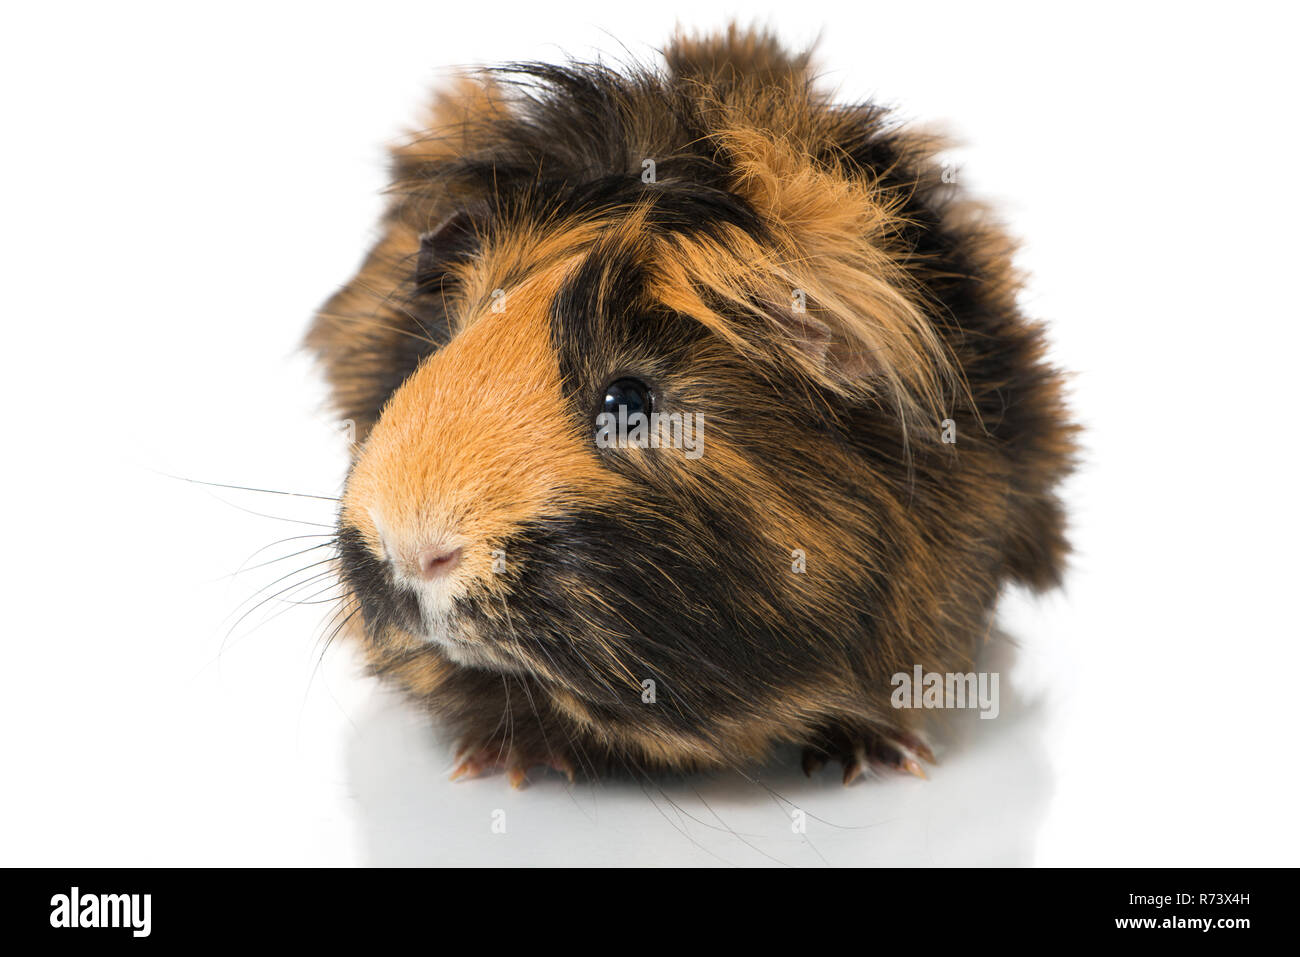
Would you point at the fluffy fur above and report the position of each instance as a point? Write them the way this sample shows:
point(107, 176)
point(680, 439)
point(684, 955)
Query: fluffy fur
point(525, 263)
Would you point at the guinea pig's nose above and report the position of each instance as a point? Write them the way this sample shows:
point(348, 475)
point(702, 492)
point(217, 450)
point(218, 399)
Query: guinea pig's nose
point(434, 563)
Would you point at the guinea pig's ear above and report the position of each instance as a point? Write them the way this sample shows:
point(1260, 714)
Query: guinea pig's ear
point(448, 213)
point(454, 239)
point(840, 299)
point(851, 320)
point(830, 351)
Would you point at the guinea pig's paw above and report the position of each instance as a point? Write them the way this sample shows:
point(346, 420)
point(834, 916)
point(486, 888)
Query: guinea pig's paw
point(475, 761)
point(873, 754)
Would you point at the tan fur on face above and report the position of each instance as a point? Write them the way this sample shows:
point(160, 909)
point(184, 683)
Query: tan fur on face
point(476, 442)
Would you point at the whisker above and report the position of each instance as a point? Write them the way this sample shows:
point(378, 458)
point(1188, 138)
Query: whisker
point(348, 603)
point(278, 518)
point(333, 599)
point(282, 558)
point(249, 488)
point(678, 825)
point(272, 597)
point(288, 605)
point(291, 538)
point(337, 629)
point(285, 577)
point(732, 831)
point(279, 597)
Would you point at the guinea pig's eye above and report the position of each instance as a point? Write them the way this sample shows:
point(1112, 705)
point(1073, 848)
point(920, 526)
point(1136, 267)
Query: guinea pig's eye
point(630, 394)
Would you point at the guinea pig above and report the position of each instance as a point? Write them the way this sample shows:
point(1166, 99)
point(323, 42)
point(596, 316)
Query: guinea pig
point(691, 406)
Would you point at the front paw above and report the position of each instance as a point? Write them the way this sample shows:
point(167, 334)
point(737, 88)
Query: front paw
point(480, 760)
point(870, 753)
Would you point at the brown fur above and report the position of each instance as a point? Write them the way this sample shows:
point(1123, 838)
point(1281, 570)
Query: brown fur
point(449, 454)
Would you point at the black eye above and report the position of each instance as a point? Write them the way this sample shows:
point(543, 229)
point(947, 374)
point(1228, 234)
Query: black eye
point(630, 394)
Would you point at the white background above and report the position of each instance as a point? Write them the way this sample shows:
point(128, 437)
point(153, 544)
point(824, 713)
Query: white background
point(182, 189)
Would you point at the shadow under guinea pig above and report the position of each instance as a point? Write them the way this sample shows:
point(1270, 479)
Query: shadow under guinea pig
point(982, 805)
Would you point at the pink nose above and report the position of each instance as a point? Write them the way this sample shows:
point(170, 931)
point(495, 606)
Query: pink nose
point(435, 563)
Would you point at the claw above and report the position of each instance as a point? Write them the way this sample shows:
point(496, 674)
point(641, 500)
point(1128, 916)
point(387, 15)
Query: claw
point(563, 766)
point(473, 762)
point(912, 766)
point(856, 765)
point(904, 753)
point(476, 762)
point(911, 742)
point(812, 762)
point(852, 771)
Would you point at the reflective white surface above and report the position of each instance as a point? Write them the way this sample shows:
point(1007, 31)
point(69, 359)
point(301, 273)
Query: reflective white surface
point(983, 804)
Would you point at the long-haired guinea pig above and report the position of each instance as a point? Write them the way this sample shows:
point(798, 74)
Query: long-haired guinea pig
point(692, 406)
